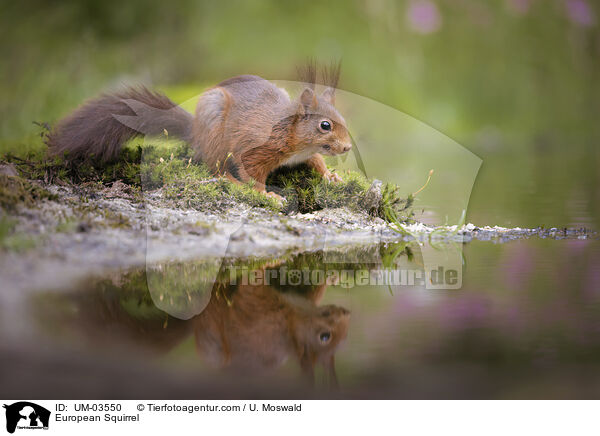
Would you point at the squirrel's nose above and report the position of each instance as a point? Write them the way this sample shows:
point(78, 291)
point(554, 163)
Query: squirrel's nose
point(347, 148)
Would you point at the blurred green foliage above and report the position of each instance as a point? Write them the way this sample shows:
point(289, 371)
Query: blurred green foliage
point(514, 81)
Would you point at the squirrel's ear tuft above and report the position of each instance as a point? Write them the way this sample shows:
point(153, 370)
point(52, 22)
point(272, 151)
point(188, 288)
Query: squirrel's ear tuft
point(329, 95)
point(308, 99)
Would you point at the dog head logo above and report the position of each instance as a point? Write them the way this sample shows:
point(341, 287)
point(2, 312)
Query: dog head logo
point(26, 415)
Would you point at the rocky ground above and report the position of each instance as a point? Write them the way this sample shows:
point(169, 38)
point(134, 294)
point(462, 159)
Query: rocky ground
point(78, 234)
point(81, 232)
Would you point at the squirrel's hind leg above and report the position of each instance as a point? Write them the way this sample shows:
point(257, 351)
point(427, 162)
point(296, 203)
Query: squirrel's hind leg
point(236, 173)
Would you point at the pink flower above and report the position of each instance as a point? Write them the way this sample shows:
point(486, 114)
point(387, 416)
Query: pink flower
point(520, 7)
point(580, 13)
point(423, 16)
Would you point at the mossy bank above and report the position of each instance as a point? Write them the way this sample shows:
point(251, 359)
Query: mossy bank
point(65, 219)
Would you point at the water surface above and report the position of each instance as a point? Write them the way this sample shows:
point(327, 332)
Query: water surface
point(524, 324)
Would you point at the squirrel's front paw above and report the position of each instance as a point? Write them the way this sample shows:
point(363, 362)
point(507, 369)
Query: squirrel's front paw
point(276, 196)
point(333, 177)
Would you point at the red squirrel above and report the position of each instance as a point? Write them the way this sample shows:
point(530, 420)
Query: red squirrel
point(259, 327)
point(246, 124)
point(245, 328)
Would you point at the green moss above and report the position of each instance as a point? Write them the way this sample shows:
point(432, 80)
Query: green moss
point(16, 190)
point(205, 225)
point(393, 207)
point(147, 164)
point(212, 193)
point(306, 191)
point(85, 214)
point(12, 240)
point(164, 163)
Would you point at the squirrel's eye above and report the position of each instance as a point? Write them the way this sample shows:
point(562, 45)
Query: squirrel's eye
point(325, 337)
point(325, 125)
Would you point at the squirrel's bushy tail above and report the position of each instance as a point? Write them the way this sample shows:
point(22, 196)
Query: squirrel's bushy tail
point(102, 125)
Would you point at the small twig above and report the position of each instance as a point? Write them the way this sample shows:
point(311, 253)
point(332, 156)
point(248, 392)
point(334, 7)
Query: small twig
point(224, 163)
point(22, 161)
point(214, 179)
point(426, 183)
point(43, 125)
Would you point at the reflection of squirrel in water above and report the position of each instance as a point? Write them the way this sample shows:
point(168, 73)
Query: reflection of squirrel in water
point(245, 328)
point(246, 125)
point(260, 327)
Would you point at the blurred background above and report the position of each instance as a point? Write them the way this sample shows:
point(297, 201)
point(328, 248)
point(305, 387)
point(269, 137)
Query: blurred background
point(516, 82)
